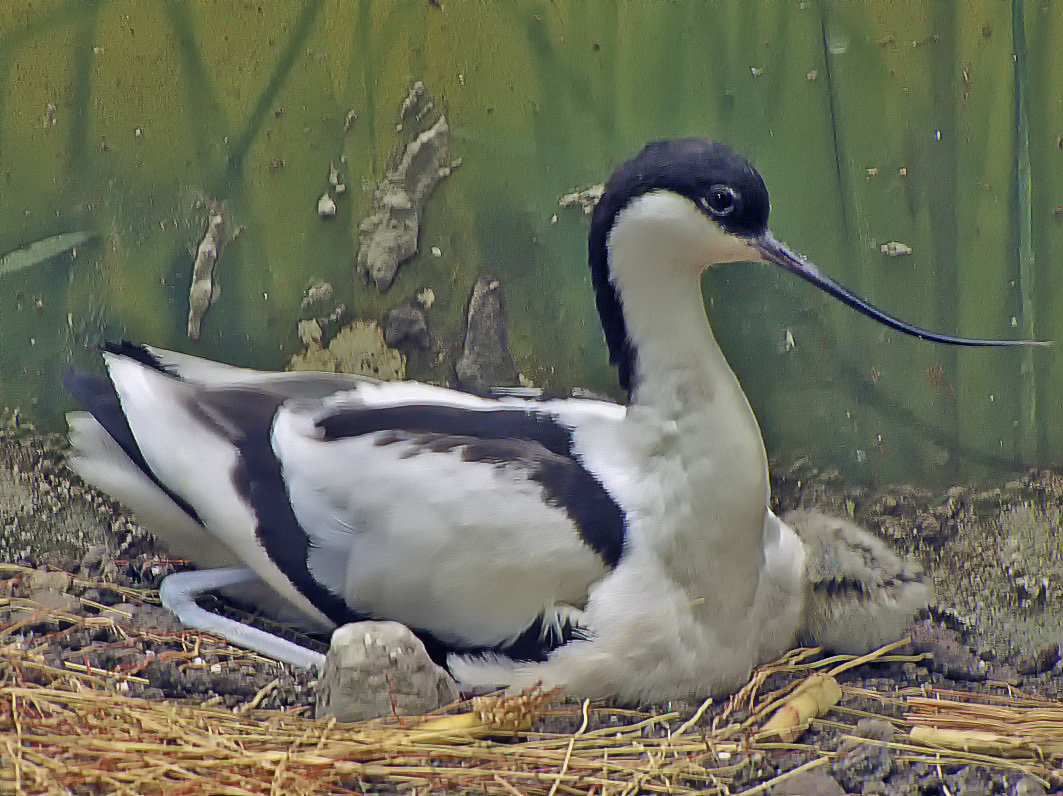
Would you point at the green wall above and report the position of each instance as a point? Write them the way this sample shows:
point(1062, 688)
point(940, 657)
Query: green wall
point(934, 124)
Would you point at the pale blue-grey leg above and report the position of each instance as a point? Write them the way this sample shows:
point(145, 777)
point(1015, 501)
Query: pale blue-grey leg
point(179, 591)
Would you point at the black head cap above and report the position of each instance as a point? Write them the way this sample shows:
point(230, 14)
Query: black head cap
point(717, 180)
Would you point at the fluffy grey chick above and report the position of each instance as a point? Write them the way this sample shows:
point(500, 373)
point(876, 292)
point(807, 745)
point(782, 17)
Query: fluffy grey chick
point(859, 594)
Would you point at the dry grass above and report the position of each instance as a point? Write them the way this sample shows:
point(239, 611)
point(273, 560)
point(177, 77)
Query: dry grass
point(70, 731)
point(1012, 725)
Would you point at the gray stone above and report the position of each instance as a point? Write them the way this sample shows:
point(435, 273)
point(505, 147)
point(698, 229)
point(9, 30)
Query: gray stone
point(151, 618)
point(96, 557)
point(874, 729)
point(378, 669)
point(1040, 662)
point(856, 763)
point(808, 783)
point(1028, 786)
point(970, 781)
point(951, 655)
point(40, 579)
point(55, 600)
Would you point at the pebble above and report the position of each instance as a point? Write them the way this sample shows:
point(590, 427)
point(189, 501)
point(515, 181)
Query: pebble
point(874, 729)
point(951, 656)
point(809, 783)
point(55, 600)
point(856, 763)
point(970, 781)
point(153, 617)
point(375, 669)
point(1028, 786)
point(1041, 661)
point(56, 581)
point(97, 558)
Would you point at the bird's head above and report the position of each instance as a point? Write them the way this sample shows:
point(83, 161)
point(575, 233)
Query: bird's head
point(692, 203)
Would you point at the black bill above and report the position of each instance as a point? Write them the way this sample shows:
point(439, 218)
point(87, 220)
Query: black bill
point(773, 251)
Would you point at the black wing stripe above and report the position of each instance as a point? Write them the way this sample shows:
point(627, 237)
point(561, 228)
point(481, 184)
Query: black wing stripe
point(428, 418)
point(497, 435)
point(260, 482)
point(566, 484)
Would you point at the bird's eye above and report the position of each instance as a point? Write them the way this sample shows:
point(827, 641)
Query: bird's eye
point(720, 200)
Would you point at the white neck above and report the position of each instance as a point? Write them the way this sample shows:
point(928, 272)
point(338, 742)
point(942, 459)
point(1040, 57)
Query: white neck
point(658, 248)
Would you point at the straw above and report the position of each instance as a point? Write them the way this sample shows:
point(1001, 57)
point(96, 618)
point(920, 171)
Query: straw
point(72, 731)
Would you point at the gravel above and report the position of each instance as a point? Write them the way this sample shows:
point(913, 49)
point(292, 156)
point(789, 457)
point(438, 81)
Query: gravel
point(76, 592)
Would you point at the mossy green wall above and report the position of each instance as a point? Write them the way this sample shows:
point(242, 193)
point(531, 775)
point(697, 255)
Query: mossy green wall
point(935, 124)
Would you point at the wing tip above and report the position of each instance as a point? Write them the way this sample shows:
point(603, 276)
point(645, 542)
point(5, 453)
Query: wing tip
point(137, 352)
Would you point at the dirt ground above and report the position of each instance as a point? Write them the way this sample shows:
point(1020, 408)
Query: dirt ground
point(995, 557)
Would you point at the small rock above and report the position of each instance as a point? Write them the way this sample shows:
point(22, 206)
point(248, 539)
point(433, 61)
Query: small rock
point(95, 558)
point(1041, 661)
point(124, 609)
point(376, 669)
point(970, 781)
point(1005, 673)
point(931, 529)
point(55, 600)
point(105, 597)
point(856, 763)
point(987, 503)
point(889, 505)
point(951, 656)
point(152, 617)
point(230, 683)
point(1028, 786)
point(809, 783)
point(874, 729)
point(39, 579)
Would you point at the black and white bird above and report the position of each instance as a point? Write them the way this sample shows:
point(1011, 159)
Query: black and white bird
point(615, 550)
